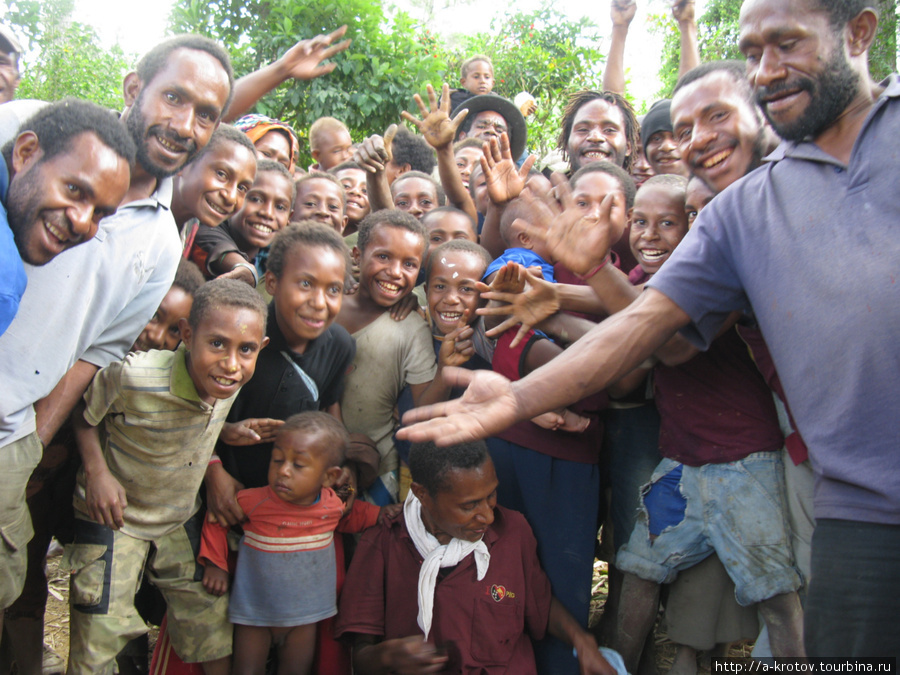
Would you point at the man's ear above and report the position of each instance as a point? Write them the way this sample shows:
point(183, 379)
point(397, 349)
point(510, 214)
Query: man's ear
point(861, 30)
point(187, 333)
point(420, 492)
point(131, 88)
point(26, 152)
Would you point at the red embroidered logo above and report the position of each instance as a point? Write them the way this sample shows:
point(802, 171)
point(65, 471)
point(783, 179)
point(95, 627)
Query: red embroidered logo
point(498, 592)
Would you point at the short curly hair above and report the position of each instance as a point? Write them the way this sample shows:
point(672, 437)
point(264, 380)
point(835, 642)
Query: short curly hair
point(222, 293)
point(390, 218)
point(412, 149)
point(315, 421)
point(309, 234)
point(429, 464)
point(617, 172)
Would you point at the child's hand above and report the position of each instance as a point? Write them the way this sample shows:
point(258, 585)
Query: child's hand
point(538, 301)
point(578, 239)
point(457, 346)
point(375, 152)
point(346, 486)
point(215, 580)
point(622, 12)
point(221, 496)
point(573, 422)
point(436, 126)
point(683, 11)
point(549, 420)
point(105, 499)
point(250, 431)
point(402, 308)
point(389, 511)
point(304, 60)
point(505, 181)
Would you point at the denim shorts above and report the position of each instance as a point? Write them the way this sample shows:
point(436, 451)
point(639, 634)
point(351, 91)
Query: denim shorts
point(736, 509)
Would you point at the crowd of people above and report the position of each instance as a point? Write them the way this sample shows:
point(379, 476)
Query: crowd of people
point(371, 415)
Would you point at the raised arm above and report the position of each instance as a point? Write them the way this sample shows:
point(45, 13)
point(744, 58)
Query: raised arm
point(439, 131)
point(621, 13)
point(303, 61)
point(683, 11)
point(373, 154)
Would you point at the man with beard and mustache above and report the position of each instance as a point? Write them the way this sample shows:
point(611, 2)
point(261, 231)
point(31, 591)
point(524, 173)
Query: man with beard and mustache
point(807, 244)
point(83, 310)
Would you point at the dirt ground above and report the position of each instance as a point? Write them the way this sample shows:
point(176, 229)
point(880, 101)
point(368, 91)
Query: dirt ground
point(57, 618)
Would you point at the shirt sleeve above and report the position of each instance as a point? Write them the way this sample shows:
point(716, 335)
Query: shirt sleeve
point(419, 363)
point(361, 517)
point(214, 545)
point(104, 394)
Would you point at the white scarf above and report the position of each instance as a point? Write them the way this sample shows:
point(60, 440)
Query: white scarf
point(436, 556)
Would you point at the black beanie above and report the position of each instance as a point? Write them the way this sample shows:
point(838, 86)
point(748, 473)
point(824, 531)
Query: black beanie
point(658, 118)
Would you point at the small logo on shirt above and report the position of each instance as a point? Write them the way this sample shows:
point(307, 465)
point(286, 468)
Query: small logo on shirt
point(499, 592)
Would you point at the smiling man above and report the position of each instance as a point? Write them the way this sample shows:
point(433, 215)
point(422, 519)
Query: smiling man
point(67, 168)
point(806, 242)
point(598, 126)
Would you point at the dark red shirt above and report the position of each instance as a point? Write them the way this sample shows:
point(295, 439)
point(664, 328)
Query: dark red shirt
point(488, 622)
point(715, 408)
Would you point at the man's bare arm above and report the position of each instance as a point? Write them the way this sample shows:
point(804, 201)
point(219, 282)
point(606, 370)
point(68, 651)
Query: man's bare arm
point(55, 408)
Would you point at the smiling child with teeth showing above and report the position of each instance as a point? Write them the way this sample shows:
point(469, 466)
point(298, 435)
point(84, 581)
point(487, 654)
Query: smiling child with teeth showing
point(231, 248)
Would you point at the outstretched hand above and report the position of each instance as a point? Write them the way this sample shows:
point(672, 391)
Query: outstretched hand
point(375, 152)
point(487, 407)
point(527, 303)
point(436, 126)
point(304, 61)
point(505, 181)
point(573, 236)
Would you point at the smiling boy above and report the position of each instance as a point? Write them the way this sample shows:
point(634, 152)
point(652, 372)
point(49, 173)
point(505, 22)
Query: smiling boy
point(136, 499)
point(320, 197)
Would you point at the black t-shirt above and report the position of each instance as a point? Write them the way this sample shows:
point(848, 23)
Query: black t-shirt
point(278, 390)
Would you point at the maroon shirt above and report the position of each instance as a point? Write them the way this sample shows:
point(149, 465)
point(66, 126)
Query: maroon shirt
point(715, 408)
point(489, 621)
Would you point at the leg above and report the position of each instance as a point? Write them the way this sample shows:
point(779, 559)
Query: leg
point(685, 662)
point(637, 612)
point(251, 648)
point(854, 614)
point(295, 653)
point(784, 617)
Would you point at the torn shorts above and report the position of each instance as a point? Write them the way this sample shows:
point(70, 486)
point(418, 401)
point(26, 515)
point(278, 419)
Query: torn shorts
point(736, 509)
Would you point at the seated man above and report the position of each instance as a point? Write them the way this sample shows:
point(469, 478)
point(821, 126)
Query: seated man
point(406, 612)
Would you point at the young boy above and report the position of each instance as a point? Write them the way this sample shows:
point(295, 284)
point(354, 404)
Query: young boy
point(390, 354)
point(353, 179)
point(320, 196)
point(520, 248)
point(416, 193)
point(136, 498)
point(476, 77)
point(213, 187)
point(330, 143)
point(286, 574)
point(446, 223)
point(233, 246)
point(163, 331)
point(467, 153)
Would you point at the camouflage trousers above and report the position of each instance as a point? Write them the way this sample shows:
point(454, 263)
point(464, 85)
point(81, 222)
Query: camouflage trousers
point(107, 567)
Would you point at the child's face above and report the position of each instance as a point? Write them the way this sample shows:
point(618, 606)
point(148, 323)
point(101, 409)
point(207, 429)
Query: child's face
point(334, 147)
point(390, 264)
point(213, 187)
point(479, 78)
point(466, 161)
point(589, 193)
point(658, 224)
point(162, 332)
point(641, 170)
point(478, 188)
point(299, 467)
point(266, 210)
point(222, 350)
point(354, 182)
point(663, 154)
point(320, 199)
point(308, 294)
point(697, 197)
point(416, 196)
point(451, 289)
point(275, 145)
point(446, 225)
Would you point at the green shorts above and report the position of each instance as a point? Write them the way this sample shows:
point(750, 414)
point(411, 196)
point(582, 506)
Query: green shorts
point(17, 461)
point(107, 567)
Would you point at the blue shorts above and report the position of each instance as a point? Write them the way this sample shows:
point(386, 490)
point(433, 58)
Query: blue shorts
point(736, 509)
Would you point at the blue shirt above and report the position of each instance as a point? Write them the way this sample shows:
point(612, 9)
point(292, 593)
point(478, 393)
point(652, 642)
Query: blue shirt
point(526, 258)
point(12, 278)
point(810, 246)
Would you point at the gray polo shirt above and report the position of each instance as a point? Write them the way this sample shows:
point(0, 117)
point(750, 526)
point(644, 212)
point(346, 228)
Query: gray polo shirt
point(811, 247)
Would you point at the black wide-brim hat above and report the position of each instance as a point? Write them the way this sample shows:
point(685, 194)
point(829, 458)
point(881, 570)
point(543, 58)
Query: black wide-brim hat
point(518, 132)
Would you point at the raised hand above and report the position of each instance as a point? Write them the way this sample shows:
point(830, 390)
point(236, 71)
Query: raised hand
point(304, 60)
point(505, 181)
point(375, 152)
point(622, 12)
point(683, 11)
point(536, 301)
point(436, 126)
point(457, 346)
